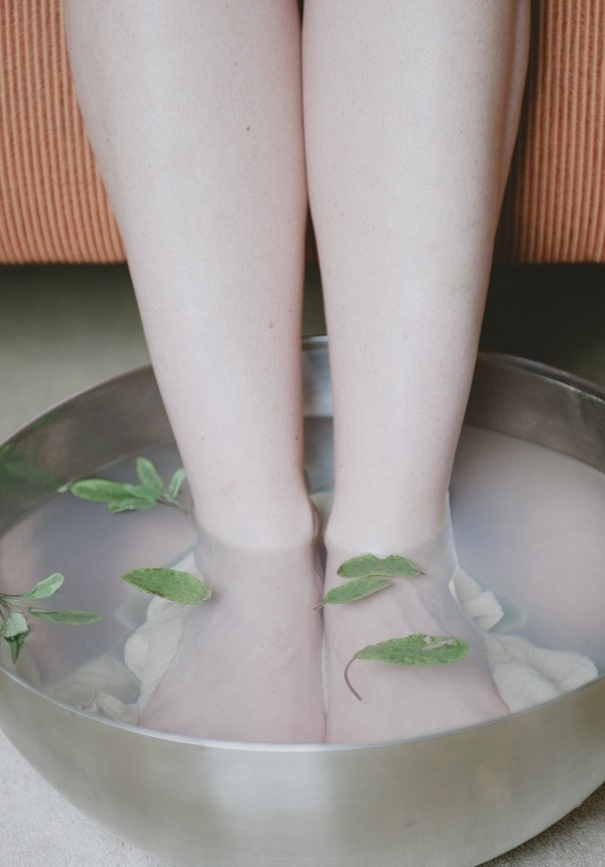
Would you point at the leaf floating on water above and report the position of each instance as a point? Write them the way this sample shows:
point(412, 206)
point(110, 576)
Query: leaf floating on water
point(368, 565)
point(126, 497)
point(68, 618)
point(15, 630)
point(134, 504)
point(106, 491)
point(170, 584)
point(357, 588)
point(14, 625)
point(16, 645)
point(149, 476)
point(176, 483)
point(417, 649)
point(100, 490)
point(44, 589)
point(120, 497)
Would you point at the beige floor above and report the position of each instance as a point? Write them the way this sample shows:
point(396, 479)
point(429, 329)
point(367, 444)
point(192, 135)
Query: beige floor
point(62, 330)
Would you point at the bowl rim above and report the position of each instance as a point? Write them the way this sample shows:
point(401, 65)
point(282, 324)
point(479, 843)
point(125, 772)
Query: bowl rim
point(496, 358)
point(501, 359)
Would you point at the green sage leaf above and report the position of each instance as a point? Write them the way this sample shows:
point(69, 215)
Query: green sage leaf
point(103, 490)
point(69, 618)
point(368, 565)
point(126, 497)
point(176, 482)
point(16, 645)
point(45, 588)
point(149, 476)
point(14, 625)
point(135, 504)
point(417, 649)
point(170, 584)
point(144, 492)
point(358, 588)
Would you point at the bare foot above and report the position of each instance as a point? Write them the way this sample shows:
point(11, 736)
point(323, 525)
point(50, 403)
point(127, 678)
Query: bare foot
point(400, 702)
point(248, 666)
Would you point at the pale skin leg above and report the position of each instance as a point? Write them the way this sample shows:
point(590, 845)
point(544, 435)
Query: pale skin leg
point(410, 116)
point(242, 502)
point(194, 111)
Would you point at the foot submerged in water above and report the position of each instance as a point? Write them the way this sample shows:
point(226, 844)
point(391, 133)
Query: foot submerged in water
point(248, 664)
point(403, 702)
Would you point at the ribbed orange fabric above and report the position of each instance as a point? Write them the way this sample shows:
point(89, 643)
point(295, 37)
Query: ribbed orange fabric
point(53, 207)
point(52, 204)
point(554, 209)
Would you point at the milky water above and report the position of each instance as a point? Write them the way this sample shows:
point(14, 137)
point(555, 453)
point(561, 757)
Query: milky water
point(93, 549)
point(528, 522)
point(530, 525)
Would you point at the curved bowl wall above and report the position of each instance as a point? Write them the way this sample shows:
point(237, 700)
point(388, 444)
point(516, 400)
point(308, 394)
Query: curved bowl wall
point(452, 800)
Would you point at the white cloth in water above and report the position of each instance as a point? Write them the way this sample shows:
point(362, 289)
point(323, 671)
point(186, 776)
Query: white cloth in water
point(524, 674)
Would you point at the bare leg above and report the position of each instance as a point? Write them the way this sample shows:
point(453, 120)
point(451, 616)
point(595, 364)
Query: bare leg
point(194, 111)
point(410, 117)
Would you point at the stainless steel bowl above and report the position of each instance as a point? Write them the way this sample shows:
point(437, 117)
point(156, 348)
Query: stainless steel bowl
point(452, 800)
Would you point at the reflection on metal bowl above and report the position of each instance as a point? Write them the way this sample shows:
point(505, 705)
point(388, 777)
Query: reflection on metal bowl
point(451, 800)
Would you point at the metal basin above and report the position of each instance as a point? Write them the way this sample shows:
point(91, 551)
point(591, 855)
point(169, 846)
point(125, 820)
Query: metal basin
point(451, 800)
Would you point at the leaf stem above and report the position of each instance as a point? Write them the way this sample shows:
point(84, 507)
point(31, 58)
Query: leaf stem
point(11, 606)
point(166, 500)
point(348, 682)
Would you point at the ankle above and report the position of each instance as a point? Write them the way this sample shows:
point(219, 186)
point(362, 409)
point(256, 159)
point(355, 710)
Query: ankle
point(432, 548)
point(278, 527)
point(387, 527)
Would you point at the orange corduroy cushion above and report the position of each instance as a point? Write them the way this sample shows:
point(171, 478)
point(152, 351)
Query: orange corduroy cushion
point(53, 207)
point(554, 209)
